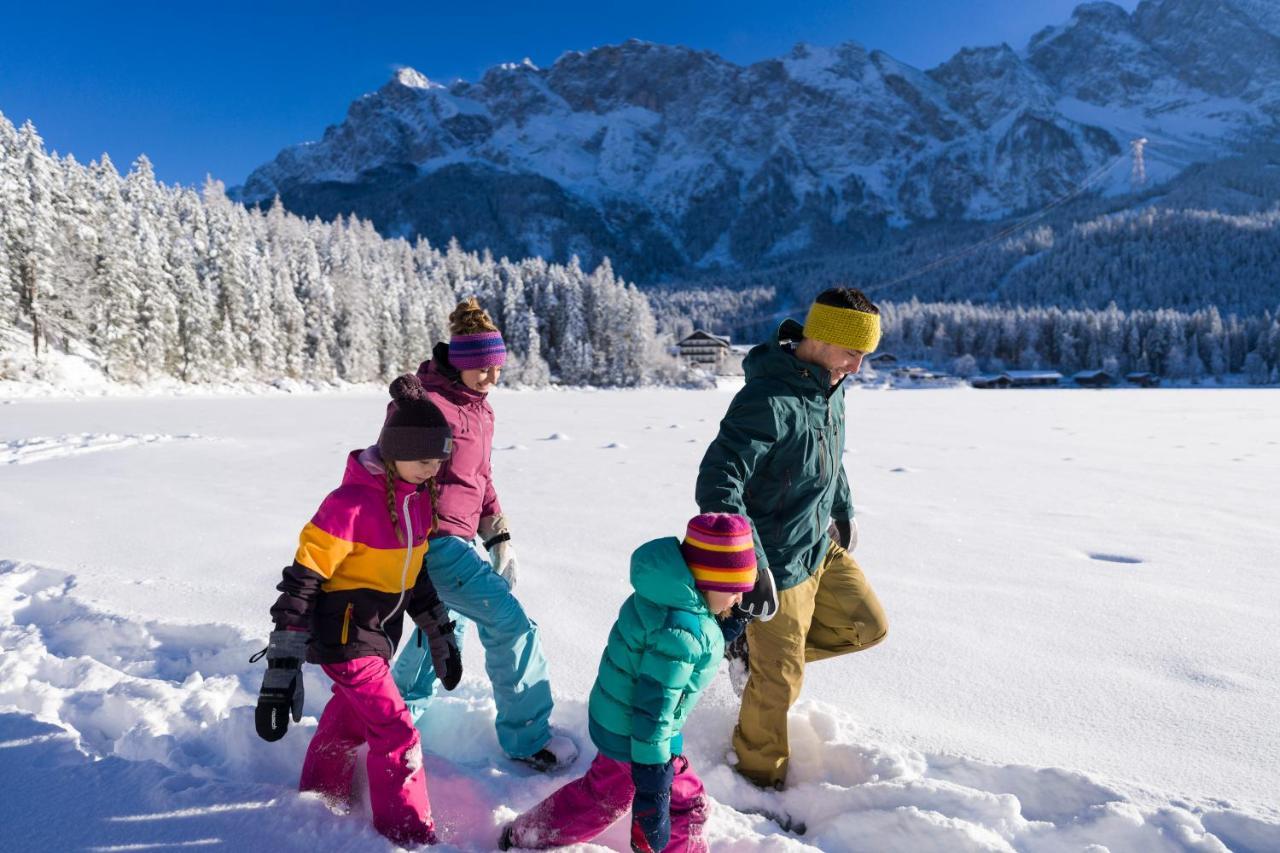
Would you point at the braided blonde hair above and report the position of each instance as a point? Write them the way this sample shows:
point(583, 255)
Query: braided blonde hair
point(468, 318)
point(432, 486)
point(389, 468)
point(435, 501)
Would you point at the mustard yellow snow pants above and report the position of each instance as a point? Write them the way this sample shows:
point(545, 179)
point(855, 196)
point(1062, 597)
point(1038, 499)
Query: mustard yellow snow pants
point(832, 613)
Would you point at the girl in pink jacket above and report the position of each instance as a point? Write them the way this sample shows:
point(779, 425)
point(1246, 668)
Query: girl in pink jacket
point(477, 585)
point(357, 571)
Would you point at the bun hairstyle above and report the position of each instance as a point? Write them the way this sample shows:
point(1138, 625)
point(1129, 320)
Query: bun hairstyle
point(468, 318)
point(474, 341)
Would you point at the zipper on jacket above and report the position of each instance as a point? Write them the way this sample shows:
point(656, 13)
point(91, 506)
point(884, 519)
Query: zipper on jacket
point(346, 622)
point(404, 571)
point(825, 462)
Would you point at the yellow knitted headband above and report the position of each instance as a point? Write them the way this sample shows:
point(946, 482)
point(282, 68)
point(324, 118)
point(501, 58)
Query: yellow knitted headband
point(844, 327)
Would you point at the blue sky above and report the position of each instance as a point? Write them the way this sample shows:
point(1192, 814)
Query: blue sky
point(219, 88)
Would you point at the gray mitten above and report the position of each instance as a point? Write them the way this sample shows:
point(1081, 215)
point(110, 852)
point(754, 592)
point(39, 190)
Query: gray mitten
point(844, 533)
point(282, 691)
point(497, 541)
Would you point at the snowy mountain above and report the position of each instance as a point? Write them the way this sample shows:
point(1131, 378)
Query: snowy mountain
point(665, 158)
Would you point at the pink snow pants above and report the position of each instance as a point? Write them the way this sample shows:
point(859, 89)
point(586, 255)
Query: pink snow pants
point(366, 708)
point(586, 807)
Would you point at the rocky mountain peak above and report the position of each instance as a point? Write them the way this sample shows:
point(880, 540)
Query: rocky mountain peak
point(663, 157)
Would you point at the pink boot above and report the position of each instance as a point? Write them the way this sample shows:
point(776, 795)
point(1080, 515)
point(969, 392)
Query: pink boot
point(586, 807)
point(366, 708)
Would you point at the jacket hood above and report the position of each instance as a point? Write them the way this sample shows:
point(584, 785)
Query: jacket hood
point(660, 574)
point(366, 468)
point(438, 375)
point(776, 358)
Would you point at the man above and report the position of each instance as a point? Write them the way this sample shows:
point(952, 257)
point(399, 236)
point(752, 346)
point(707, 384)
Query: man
point(777, 460)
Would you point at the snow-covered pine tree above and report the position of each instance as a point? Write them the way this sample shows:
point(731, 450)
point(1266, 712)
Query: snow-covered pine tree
point(227, 268)
point(32, 219)
point(157, 322)
point(8, 230)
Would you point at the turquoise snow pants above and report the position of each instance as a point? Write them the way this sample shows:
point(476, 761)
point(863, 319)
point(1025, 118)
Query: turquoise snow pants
point(513, 657)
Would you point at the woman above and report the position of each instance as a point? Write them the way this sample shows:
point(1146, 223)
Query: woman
point(476, 588)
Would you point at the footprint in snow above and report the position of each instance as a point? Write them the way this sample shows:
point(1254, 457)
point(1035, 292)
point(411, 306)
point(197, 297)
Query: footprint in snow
point(614, 445)
point(902, 470)
point(1116, 558)
point(27, 450)
point(557, 436)
point(512, 447)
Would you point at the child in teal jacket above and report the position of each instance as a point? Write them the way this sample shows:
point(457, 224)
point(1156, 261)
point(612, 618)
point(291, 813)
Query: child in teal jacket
point(662, 653)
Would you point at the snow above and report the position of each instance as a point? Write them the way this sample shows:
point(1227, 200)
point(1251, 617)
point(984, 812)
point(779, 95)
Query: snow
point(1081, 589)
point(26, 450)
point(414, 79)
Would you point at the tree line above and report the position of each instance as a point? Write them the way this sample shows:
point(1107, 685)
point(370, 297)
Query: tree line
point(146, 280)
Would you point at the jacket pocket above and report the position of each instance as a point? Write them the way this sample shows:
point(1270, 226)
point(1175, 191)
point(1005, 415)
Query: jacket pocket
point(346, 623)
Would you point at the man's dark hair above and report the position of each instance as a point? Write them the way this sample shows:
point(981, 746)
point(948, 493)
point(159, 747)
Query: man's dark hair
point(847, 297)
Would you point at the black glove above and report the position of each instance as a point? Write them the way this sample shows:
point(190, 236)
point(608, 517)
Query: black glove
point(442, 642)
point(844, 533)
point(651, 807)
point(281, 691)
point(762, 602)
point(733, 625)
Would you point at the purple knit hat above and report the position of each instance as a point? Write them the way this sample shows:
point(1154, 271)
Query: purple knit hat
point(415, 429)
point(720, 552)
point(477, 351)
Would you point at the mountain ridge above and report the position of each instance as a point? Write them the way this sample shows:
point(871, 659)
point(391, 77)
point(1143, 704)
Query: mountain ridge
point(666, 158)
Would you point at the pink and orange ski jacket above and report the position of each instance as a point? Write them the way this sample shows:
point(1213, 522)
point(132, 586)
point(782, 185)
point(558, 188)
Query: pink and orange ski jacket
point(352, 580)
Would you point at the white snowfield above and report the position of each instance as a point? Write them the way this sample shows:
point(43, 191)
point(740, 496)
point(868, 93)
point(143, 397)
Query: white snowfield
point(1082, 592)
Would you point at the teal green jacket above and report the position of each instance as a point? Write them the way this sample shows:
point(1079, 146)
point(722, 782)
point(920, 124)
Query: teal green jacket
point(662, 653)
point(778, 459)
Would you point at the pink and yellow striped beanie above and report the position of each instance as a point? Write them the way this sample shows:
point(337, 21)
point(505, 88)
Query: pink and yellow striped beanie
point(720, 552)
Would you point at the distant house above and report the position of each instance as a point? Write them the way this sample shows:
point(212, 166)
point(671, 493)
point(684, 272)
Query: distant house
point(705, 350)
point(1094, 379)
point(1142, 379)
point(1034, 378)
point(1018, 379)
point(919, 374)
point(998, 380)
point(882, 359)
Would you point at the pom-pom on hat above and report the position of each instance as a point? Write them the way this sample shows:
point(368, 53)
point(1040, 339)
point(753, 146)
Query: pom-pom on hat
point(415, 429)
point(720, 552)
point(477, 351)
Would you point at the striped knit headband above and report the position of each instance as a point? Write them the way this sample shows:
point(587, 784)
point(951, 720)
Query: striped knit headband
point(477, 351)
point(720, 552)
point(844, 327)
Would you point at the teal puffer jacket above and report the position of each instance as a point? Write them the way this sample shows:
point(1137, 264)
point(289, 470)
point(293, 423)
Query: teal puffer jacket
point(662, 653)
point(777, 459)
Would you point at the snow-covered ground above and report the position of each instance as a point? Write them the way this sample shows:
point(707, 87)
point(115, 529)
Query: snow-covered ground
point(1082, 590)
